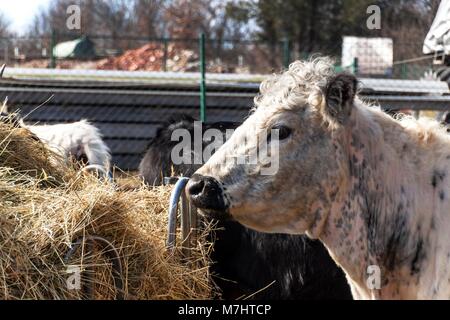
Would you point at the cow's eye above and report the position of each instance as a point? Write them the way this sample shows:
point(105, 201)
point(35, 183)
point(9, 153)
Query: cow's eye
point(283, 132)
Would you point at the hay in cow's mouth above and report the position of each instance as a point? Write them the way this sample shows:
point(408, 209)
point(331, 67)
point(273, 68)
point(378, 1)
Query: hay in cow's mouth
point(223, 215)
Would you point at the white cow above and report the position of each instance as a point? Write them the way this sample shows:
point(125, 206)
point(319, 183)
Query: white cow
point(374, 189)
point(79, 140)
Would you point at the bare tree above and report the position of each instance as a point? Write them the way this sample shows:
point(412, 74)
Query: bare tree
point(148, 18)
point(4, 26)
point(113, 17)
point(97, 17)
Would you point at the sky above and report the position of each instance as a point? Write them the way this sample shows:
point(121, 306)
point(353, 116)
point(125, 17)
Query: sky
point(21, 12)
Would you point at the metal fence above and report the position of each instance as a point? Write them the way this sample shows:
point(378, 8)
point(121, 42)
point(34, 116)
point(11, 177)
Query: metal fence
point(129, 106)
point(148, 54)
point(132, 53)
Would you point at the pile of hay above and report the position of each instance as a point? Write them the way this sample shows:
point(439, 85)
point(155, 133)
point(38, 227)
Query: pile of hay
point(22, 151)
point(46, 206)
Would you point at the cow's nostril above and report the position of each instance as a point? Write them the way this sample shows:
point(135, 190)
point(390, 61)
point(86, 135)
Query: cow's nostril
point(195, 188)
point(205, 193)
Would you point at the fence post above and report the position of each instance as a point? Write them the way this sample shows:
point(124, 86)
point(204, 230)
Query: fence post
point(52, 49)
point(5, 53)
point(286, 53)
point(202, 80)
point(355, 66)
point(165, 42)
point(404, 71)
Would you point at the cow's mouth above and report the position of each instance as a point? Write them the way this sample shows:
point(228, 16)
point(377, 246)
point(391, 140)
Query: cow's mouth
point(216, 215)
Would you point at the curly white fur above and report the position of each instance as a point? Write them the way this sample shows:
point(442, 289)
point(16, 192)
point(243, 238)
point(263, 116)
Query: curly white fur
point(68, 139)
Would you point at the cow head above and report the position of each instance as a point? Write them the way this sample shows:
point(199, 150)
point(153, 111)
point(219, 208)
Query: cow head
point(288, 187)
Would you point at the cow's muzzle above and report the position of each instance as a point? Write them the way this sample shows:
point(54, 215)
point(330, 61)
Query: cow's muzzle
point(206, 194)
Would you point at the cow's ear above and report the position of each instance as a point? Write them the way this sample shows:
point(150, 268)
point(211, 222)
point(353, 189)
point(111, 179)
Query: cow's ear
point(339, 95)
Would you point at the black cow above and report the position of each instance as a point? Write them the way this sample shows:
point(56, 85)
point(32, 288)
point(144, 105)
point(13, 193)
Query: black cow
point(246, 261)
point(445, 120)
point(157, 163)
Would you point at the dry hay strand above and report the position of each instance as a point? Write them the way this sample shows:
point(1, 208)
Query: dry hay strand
point(39, 224)
point(22, 151)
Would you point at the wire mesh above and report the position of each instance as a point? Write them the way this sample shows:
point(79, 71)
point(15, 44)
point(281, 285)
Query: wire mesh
point(130, 86)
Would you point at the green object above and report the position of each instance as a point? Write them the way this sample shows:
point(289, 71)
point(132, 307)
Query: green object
point(52, 49)
point(202, 80)
point(166, 54)
point(286, 53)
point(355, 66)
point(82, 48)
point(338, 68)
point(404, 71)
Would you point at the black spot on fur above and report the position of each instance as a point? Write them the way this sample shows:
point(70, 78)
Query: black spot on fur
point(387, 239)
point(364, 164)
point(418, 257)
point(441, 195)
point(397, 239)
point(437, 177)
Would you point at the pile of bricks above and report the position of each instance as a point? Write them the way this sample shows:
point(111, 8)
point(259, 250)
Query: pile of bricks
point(151, 57)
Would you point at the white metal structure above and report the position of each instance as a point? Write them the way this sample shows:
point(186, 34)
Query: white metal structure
point(438, 37)
point(375, 55)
